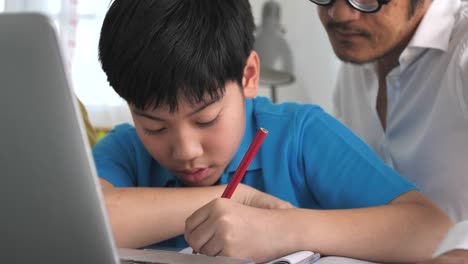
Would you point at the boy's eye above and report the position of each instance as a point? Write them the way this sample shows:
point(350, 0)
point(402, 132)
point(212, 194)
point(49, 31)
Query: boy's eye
point(209, 123)
point(154, 132)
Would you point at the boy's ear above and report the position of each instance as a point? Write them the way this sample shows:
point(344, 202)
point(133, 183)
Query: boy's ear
point(251, 75)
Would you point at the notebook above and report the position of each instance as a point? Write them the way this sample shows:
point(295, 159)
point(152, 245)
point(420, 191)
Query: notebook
point(300, 257)
point(52, 209)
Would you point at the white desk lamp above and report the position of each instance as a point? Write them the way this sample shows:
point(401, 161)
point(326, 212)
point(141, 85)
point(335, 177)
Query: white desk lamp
point(274, 52)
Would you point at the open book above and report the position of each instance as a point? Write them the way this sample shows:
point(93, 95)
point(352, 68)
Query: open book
point(300, 257)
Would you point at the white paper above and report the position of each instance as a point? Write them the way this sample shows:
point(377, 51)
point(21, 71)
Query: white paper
point(300, 257)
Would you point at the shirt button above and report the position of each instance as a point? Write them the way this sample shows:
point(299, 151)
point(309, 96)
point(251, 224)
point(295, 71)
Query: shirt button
point(407, 57)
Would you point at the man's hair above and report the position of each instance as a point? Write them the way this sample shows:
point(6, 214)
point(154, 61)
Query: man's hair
point(156, 52)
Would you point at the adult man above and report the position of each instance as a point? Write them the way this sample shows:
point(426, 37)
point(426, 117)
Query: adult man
point(404, 89)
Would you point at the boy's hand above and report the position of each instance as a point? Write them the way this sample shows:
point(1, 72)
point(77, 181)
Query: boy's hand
point(252, 197)
point(227, 228)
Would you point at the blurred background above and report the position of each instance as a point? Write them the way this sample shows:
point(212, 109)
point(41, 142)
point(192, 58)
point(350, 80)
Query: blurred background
point(298, 62)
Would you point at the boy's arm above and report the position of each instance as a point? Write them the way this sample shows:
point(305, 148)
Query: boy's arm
point(143, 216)
point(406, 230)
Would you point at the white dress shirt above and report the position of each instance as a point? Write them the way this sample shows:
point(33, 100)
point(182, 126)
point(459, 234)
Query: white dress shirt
point(457, 238)
point(426, 138)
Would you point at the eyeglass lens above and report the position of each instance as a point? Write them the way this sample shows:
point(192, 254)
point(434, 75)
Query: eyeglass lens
point(363, 5)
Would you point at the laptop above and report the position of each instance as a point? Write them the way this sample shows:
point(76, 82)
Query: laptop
point(52, 208)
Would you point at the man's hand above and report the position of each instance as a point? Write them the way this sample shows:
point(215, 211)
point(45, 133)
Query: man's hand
point(458, 256)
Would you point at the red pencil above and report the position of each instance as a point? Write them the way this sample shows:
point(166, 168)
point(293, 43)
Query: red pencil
point(243, 165)
point(245, 162)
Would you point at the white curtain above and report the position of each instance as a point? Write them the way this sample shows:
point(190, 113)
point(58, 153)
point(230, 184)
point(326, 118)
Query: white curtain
point(78, 23)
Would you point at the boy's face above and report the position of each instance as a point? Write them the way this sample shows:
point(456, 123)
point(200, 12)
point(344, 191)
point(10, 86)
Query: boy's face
point(197, 142)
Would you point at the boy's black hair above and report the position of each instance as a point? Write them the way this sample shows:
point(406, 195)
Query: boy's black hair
point(156, 52)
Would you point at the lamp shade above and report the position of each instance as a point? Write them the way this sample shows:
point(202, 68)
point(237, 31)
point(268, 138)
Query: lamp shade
point(275, 55)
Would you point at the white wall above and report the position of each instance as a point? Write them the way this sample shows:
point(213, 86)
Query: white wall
point(314, 62)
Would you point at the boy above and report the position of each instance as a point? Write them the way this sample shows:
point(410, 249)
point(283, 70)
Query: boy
point(190, 77)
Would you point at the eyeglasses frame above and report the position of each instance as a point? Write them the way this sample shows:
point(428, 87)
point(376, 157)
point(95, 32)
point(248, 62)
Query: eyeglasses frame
point(380, 2)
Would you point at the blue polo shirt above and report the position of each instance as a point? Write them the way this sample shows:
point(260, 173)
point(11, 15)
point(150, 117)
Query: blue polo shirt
point(308, 158)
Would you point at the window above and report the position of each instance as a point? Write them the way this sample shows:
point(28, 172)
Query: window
point(105, 107)
point(78, 23)
point(89, 79)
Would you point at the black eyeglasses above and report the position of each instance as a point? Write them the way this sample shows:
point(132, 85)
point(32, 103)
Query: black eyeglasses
point(365, 6)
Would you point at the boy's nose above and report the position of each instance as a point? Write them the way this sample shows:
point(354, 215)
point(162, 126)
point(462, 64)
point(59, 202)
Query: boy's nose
point(186, 148)
point(341, 11)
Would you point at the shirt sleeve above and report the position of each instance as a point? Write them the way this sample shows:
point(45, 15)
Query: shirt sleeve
point(457, 238)
point(114, 156)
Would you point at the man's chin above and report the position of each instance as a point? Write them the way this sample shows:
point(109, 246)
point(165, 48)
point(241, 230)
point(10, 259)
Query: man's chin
point(354, 60)
point(360, 56)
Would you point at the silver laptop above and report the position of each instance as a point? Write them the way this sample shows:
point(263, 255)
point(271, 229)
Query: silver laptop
point(51, 206)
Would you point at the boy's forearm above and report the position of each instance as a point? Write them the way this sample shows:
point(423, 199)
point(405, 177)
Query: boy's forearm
point(402, 231)
point(143, 216)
